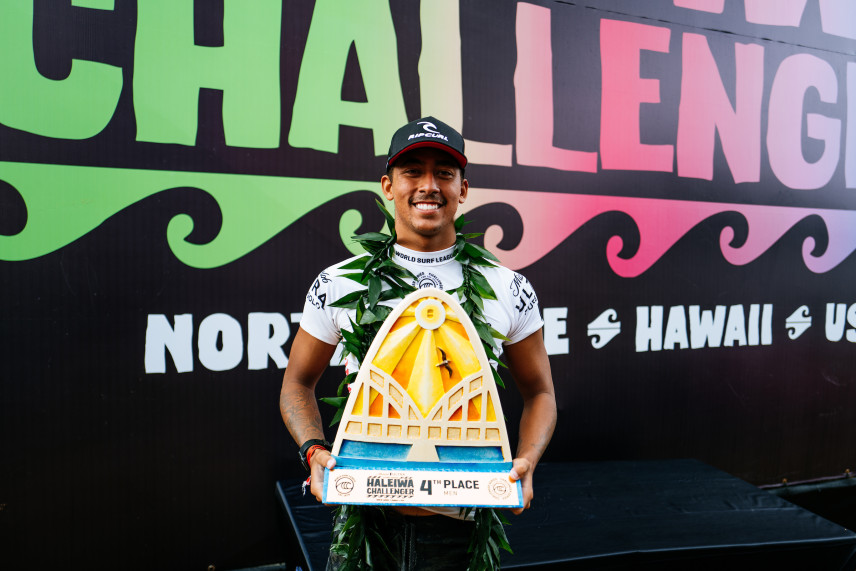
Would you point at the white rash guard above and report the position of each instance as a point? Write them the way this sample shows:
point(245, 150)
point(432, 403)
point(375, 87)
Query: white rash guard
point(514, 313)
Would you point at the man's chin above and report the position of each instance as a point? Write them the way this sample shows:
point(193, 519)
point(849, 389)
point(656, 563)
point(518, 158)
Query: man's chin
point(427, 230)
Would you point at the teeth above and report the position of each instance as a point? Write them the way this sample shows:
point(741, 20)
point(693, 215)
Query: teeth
point(426, 206)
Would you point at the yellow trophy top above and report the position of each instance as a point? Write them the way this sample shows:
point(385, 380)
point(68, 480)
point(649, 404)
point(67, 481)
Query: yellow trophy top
point(425, 391)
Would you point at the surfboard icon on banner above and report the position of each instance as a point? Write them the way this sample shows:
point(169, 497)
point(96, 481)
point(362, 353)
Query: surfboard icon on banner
point(425, 398)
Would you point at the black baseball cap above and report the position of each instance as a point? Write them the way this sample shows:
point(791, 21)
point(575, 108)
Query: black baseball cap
point(427, 132)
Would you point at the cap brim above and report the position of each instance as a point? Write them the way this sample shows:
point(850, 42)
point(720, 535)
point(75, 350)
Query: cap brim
point(459, 158)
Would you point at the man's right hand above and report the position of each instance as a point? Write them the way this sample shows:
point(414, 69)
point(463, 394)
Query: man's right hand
point(320, 459)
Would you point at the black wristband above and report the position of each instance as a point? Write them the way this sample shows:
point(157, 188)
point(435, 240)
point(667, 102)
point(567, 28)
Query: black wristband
point(309, 444)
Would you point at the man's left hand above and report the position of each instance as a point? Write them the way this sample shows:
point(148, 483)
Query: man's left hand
point(521, 469)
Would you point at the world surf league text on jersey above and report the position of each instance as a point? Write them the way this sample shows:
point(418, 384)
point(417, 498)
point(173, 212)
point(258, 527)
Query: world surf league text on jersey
point(421, 260)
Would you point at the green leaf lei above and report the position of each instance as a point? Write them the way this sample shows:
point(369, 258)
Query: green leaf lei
point(358, 533)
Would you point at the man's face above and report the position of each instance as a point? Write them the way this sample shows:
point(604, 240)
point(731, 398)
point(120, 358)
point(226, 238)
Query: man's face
point(427, 187)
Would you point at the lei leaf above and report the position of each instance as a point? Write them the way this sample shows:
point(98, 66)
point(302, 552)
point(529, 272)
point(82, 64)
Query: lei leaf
point(348, 301)
point(355, 264)
point(459, 223)
point(339, 403)
point(390, 219)
point(370, 237)
point(356, 535)
point(345, 382)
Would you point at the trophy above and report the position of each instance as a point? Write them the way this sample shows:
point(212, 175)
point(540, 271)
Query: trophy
point(423, 425)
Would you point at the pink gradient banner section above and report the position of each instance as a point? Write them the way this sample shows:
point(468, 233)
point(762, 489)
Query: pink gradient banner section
point(533, 88)
point(623, 92)
point(549, 218)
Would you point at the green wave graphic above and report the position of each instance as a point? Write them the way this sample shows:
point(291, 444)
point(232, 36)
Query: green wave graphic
point(66, 202)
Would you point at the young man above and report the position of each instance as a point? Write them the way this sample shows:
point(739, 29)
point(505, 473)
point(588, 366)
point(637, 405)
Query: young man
point(425, 180)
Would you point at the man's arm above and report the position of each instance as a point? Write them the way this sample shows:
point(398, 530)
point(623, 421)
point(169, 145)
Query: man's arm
point(530, 367)
point(297, 403)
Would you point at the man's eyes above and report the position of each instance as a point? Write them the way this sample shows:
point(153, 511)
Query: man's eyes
point(441, 173)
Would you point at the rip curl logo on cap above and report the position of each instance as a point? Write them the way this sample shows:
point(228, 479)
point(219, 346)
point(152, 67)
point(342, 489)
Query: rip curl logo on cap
point(431, 131)
point(429, 126)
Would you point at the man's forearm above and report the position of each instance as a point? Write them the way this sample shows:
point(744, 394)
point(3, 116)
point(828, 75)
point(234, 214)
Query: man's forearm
point(536, 426)
point(300, 412)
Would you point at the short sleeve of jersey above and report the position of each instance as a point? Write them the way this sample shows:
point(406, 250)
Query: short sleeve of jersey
point(527, 315)
point(319, 319)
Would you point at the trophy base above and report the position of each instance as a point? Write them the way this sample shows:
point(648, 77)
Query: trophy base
point(389, 483)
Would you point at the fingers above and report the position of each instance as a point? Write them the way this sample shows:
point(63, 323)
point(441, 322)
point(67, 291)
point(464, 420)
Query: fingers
point(521, 470)
point(324, 458)
point(320, 459)
point(317, 483)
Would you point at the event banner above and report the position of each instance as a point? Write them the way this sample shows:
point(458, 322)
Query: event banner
point(676, 179)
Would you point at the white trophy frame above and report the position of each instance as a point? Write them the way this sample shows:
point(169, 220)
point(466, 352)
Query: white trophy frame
point(423, 423)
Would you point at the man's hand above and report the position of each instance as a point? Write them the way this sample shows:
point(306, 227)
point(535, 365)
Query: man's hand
point(320, 459)
point(530, 367)
point(522, 470)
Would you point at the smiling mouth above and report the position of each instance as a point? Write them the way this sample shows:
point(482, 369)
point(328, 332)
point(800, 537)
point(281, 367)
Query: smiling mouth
point(426, 206)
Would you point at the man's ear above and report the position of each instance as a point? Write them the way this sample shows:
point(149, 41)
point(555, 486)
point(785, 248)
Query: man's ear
point(465, 186)
point(386, 186)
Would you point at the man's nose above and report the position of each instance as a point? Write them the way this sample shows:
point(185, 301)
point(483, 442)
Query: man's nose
point(429, 183)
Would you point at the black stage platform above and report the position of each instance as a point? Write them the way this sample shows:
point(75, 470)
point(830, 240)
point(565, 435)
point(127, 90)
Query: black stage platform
point(663, 515)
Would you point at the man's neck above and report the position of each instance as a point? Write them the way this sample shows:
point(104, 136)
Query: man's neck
point(419, 243)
